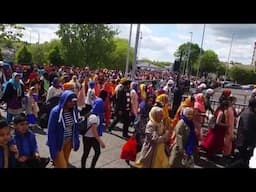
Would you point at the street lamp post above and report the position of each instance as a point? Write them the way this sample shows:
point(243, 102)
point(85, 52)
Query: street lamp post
point(135, 52)
point(189, 50)
point(227, 65)
point(30, 37)
point(199, 62)
point(128, 52)
point(38, 37)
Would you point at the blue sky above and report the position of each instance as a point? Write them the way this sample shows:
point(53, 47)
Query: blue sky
point(160, 41)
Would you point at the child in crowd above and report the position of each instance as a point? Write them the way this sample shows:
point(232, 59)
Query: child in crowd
point(27, 145)
point(32, 108)
point(8, 149)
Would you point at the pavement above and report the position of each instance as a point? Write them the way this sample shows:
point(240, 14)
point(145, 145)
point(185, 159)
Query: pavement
point(109, 158)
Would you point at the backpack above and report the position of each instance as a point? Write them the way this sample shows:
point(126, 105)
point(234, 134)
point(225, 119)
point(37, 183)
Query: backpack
point(82, 124)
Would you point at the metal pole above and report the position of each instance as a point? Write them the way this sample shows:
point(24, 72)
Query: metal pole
point(227, 66)
point(191, 33)
point(135, 52)
point(199, 62)
point(128, 52)
point(38, 37)
point(30, 37)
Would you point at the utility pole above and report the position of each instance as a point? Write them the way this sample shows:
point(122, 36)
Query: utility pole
point(227, 66)
point(191, 33)
point(38, 37)
point(128, 52)
point(135, 52)
point(199, 62)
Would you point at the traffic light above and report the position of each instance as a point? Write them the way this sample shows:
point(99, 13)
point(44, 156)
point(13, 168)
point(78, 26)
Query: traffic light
point(176, 66)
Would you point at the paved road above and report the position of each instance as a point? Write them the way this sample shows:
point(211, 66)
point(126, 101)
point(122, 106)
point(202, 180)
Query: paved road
point(109, 157)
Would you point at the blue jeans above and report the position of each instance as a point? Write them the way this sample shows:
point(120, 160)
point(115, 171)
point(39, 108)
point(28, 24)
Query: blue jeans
point(9, 117)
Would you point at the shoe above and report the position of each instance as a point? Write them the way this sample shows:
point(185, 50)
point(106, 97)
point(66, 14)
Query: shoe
point(126, 137)
point(211, 158)
point(45, 161)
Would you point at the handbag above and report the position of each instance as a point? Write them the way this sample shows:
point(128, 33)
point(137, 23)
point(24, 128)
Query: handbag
point(129, 149)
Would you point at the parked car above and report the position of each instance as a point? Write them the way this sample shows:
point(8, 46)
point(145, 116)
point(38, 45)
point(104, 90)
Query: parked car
point(232, 86)
point(247, 87)
point(223, 83)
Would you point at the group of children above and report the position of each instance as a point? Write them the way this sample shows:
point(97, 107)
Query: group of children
point(18, 147)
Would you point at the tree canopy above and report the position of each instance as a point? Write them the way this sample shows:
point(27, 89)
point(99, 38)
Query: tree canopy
point(87, 44)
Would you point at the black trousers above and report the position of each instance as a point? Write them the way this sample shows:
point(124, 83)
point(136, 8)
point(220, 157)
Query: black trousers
point(90, 142)
point(125, 119)
point(243, 159)
point(33, 163)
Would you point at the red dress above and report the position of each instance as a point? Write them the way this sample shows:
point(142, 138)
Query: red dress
point(214, 141)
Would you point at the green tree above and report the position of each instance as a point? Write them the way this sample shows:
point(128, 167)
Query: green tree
point(221, 68)
point(183, 52)
point(38, 54)
point(209, 61)
point(161, 63)
point(242, 75)
point(119, 55)
point(23, 56)
point(10, 32)
point(55, 57)
point(87, 44)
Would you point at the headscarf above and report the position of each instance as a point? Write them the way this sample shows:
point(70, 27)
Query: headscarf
point(74, 79)
point(199, 102)
point(68, 86)
point(143, 93)
point(123, 80)
point(226, 92)
point(161, 91)
point(163, 99)
point(55, 83)
point(92, 84)
point(209, 91)
point(16, 84)
point(134, 86)
point(153, 113)
point(191, 144)
point(186, 103)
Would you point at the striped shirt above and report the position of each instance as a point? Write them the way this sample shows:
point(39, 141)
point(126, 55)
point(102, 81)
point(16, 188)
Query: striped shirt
point(69, 122)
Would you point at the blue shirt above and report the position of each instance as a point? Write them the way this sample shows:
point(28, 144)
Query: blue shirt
point(26, 143)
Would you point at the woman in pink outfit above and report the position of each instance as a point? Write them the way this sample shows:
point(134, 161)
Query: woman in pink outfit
point(81, 95)
point(107, 104)
point(199, 113)
point(229, 135)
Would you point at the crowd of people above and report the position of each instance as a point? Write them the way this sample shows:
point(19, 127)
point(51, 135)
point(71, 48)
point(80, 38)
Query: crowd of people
point(168, 129)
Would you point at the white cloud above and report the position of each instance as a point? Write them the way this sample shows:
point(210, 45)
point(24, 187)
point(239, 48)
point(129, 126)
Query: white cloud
point(183, 37)
point(155, 43)
point(41, 32)
point(160, 45)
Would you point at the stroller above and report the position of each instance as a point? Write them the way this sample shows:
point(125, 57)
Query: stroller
point(45, 111)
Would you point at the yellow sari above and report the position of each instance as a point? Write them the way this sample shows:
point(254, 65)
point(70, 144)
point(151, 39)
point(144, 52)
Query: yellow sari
point(160, 159)
point(163, 98)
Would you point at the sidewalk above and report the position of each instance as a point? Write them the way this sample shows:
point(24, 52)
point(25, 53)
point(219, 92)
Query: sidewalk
point(109, 158)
